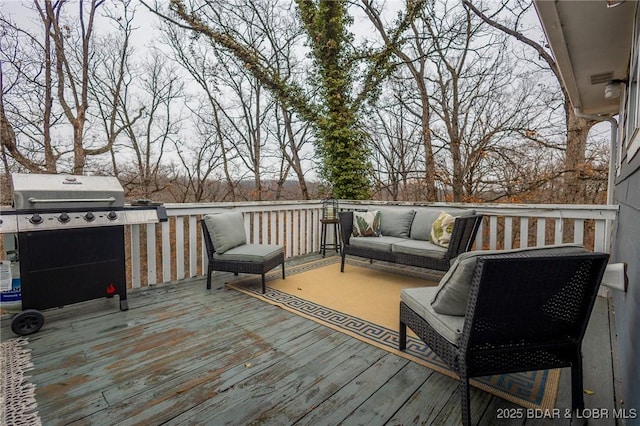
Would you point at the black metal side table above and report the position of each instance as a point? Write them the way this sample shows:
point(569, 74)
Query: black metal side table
point(329, 217)
point(324, 245)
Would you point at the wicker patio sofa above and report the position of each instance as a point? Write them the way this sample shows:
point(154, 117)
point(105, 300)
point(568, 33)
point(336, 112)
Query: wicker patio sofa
point(227, 249)
point(406, 237)
point(511, 312)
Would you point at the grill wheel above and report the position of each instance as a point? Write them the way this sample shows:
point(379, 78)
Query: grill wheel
point(27, 322)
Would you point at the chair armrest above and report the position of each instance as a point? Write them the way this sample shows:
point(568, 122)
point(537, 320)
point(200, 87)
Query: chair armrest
point(465, 229)
point(346, 226)
point(207, 240)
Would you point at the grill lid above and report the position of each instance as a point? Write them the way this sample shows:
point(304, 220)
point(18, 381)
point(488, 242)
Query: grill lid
point(51, 192)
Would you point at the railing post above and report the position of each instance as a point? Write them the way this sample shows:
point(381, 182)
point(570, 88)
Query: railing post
point(508, 232)
point(193, 247)
point(524, 232)
point(600, 238)
point(166, 251)
point(179, 247)
point(578, 231)
point(135, 255)
point(152, 277)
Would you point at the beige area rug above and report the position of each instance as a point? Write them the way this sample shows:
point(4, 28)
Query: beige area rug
point(363, 302)
point(17, 400)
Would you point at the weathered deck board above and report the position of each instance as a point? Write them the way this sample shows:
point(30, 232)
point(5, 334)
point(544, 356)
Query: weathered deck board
point(428, 401)
point(185, 355)
point(597, 344)
point(348, 398)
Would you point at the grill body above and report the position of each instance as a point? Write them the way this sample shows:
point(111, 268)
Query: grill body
point(70, 241)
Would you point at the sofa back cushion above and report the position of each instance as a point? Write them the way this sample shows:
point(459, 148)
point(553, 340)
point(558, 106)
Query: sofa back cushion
point(452, 293)
point(226, 230)
point(396, 222)
point(422, 223)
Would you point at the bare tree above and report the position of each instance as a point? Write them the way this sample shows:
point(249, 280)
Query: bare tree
point(396, 133)
point(72, 67)
point(475, 105)
point(201, 158)
point(201, 64)
point(112, 85)
point(26, 110)
point(151, 136)
point(292, 136)
point(577, 128)
point(283, 36)
point(414, 56)
point(260, 132)
point(53, 68)
point(247, 118)
point(478, 102)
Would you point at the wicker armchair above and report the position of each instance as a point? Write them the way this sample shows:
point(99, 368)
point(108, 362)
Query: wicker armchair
point(525, 312)
point(244, 258)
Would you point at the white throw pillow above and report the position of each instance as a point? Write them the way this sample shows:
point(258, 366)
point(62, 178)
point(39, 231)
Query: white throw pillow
point(442, 229)
point(366, 224)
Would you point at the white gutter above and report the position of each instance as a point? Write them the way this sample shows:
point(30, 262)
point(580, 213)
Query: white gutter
point(554, 32)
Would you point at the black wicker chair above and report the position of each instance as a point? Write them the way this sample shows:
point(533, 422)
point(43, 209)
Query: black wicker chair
point(256, 265)
point(525, 313)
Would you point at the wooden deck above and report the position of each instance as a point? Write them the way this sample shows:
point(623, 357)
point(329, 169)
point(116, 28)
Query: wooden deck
point(185, 355)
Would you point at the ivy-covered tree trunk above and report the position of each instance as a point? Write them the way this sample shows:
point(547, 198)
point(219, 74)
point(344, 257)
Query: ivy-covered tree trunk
point(340, 144)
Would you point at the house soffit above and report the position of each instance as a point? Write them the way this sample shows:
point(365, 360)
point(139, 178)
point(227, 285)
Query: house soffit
point(592, 45)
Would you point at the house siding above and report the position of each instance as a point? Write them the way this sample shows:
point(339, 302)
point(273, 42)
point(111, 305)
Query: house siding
point(625, 244)
point(626, 248)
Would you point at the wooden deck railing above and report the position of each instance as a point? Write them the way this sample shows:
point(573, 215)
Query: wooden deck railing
point(174, 250)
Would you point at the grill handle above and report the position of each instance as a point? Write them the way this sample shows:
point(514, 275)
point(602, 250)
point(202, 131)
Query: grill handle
point(71, 200)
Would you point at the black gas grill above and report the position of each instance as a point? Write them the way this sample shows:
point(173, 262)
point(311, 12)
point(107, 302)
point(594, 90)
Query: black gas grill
point(70, 241)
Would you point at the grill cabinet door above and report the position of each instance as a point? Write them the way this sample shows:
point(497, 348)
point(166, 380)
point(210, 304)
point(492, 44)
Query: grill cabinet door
point(61, 267)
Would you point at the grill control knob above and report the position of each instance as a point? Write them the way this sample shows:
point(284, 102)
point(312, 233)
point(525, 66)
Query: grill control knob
point(112, 215)
point(89, 217)
point(64, 217)
point(36, 219)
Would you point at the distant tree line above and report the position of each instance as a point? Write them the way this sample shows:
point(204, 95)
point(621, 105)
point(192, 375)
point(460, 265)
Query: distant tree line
point(269, 99)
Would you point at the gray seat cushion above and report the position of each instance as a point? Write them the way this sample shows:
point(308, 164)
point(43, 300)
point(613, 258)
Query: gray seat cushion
point(452, 293)
point(226, 230)
point(420, 248)
point(250, 253)
point(419, 300)
point(381, 243)
point(396, 222)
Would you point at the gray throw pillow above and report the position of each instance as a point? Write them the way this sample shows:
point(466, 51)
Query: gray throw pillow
point(396, 222)
point(226, 230)
point(452, 293)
